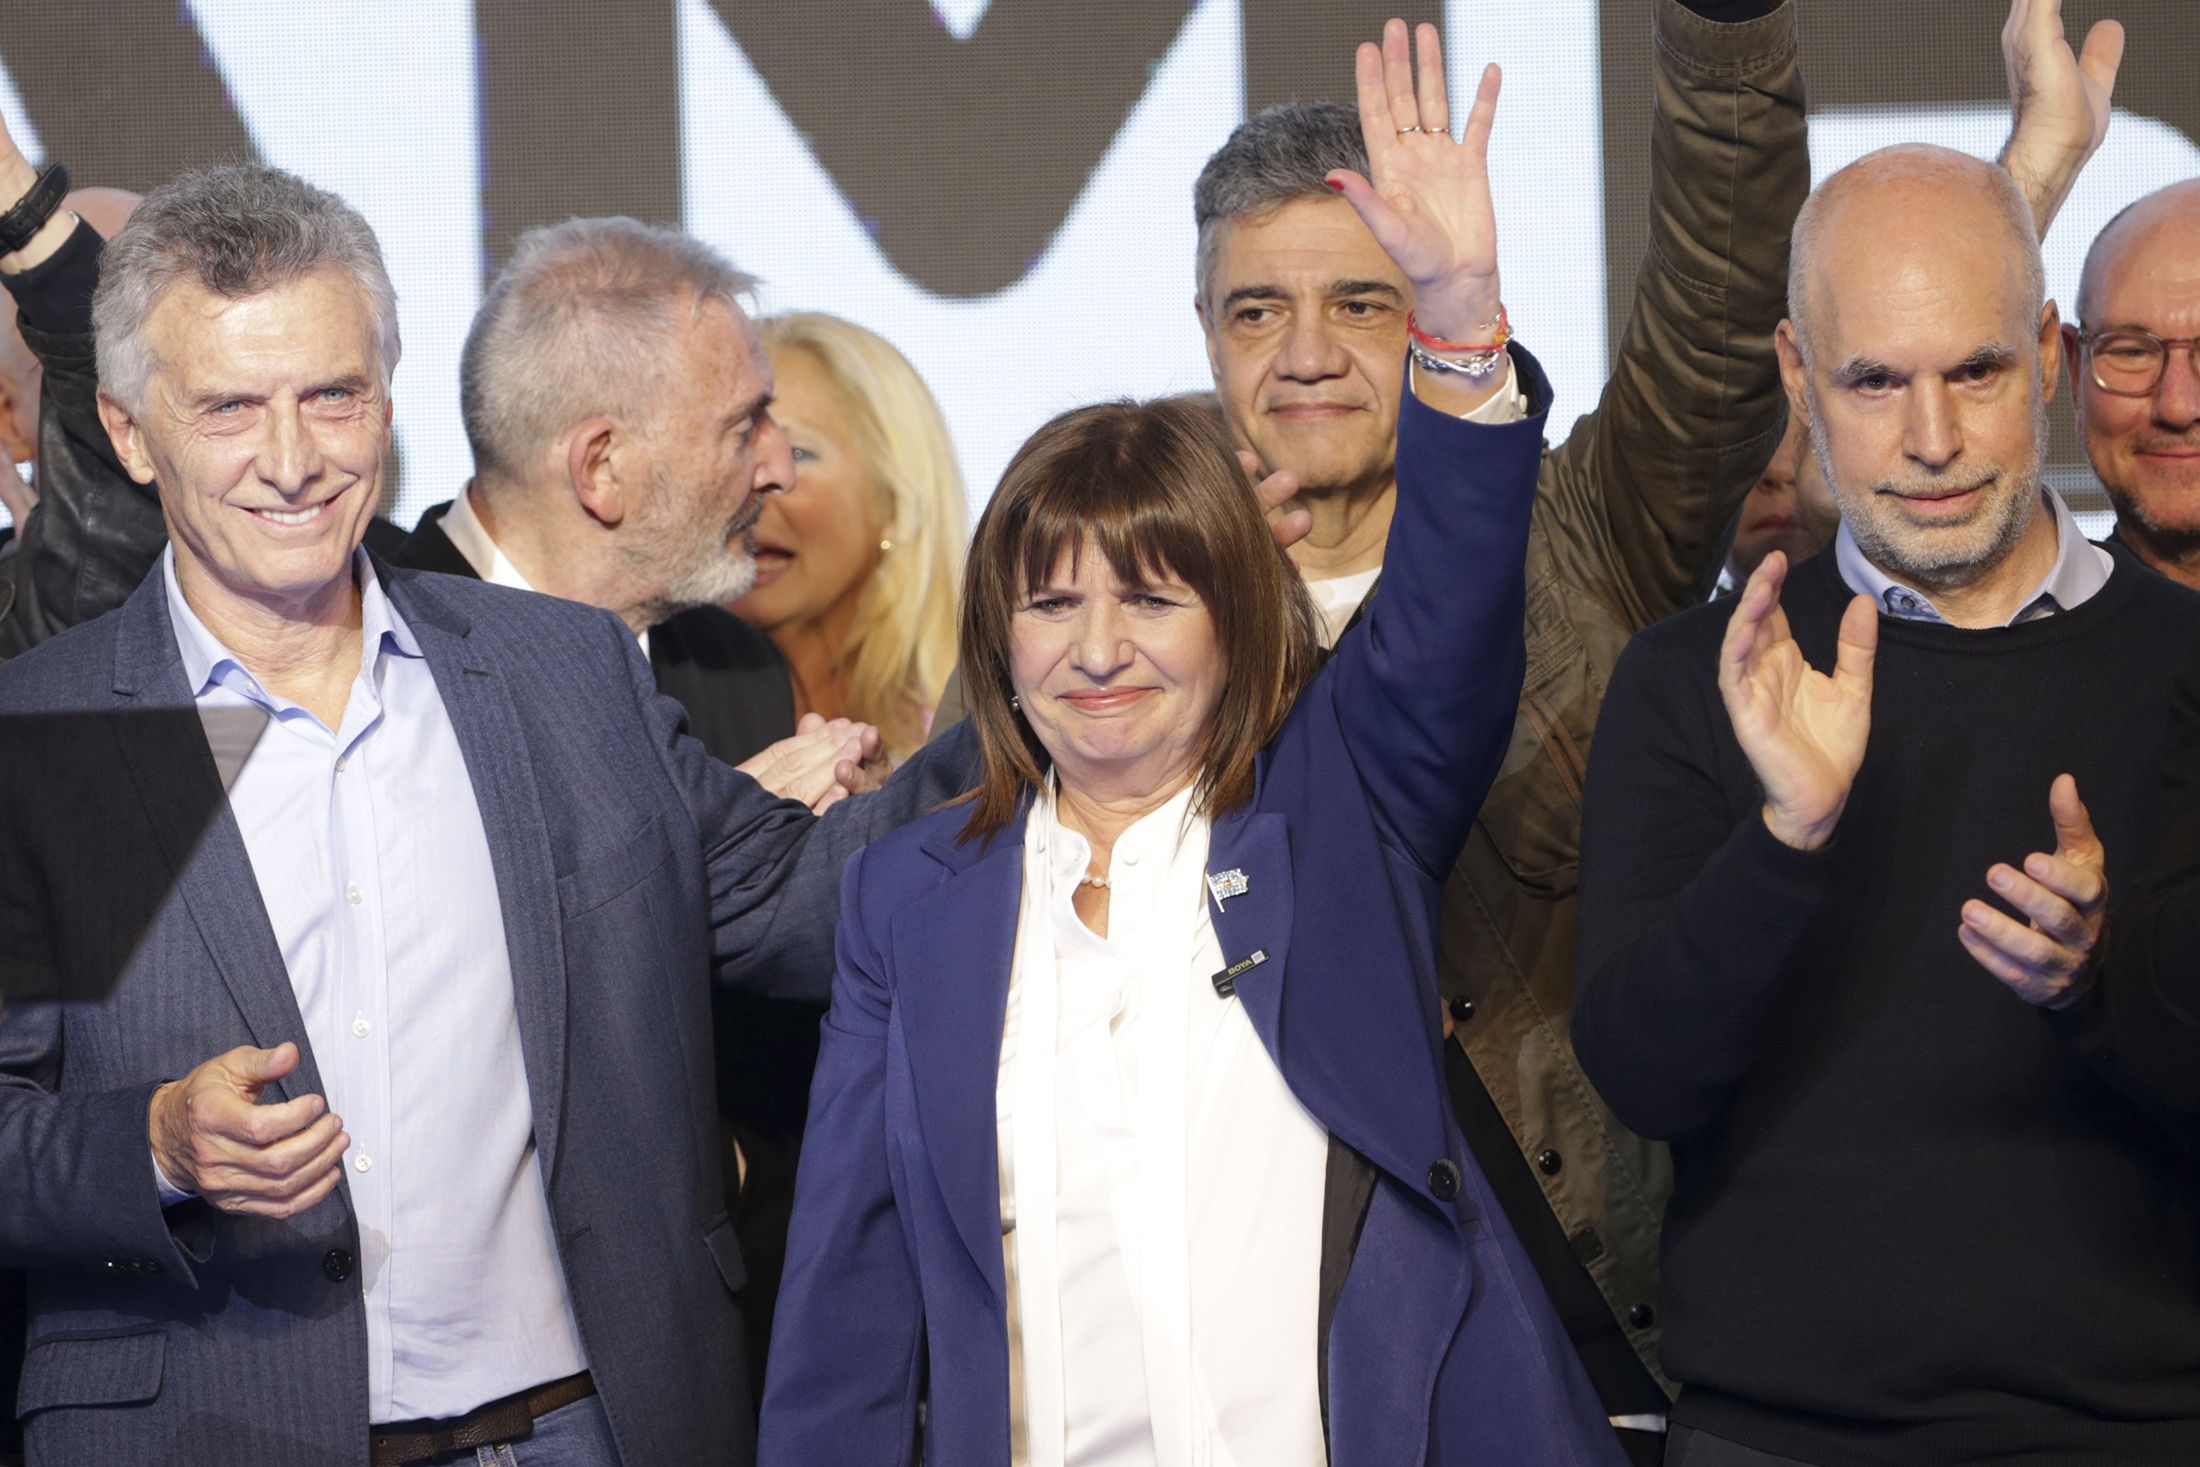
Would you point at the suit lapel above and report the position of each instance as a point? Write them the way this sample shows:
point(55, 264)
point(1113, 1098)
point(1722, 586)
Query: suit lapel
point(177, 783)
point(1355, 1052)
point(493, 743)
point(953, 950)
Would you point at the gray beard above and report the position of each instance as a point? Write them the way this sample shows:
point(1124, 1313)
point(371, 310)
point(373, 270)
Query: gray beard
point(1939, 567)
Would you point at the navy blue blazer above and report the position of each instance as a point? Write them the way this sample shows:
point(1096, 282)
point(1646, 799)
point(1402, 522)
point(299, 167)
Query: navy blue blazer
point(631, 867)
point(1441, 1344)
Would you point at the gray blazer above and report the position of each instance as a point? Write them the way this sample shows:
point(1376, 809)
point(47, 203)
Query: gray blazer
point(630, 866)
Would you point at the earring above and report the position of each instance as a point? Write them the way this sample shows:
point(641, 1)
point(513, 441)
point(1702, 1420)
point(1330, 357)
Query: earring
point(1015, 702)
point(885, 545)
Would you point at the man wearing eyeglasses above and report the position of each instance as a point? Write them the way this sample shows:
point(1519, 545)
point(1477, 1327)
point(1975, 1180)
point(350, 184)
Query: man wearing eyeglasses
point(2134, 357)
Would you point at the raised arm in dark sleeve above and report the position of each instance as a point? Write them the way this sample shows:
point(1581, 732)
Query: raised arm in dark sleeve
point(95, 533)
point(1692, 913)
point(1640, 493)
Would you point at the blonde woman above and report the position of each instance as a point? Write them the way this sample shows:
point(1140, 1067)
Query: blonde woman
point(859, 562)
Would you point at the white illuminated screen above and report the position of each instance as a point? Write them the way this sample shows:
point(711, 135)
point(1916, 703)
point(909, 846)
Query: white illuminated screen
point(1105, 311)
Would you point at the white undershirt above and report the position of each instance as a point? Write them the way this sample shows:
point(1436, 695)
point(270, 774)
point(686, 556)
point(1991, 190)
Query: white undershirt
point(1164, 1290)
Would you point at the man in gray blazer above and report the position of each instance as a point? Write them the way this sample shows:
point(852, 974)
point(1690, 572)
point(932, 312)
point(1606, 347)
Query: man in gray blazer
point(396, 1137)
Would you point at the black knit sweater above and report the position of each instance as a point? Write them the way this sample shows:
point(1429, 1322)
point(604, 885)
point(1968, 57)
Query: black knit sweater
point(1915, 1220)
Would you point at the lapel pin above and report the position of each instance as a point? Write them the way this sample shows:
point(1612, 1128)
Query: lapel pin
point(1226, 981)
point(1226, 884)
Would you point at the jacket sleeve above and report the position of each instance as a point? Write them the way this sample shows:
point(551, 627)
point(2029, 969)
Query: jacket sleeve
point(1426, 685)
point(1690, 918)
point(847, 1355)
point(2138, 1026)
point(95, 532)
point(771, 867)
point(81, 1190)
point(1640, 493)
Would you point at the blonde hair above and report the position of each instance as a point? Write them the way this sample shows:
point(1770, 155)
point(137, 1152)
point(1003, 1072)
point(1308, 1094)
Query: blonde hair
point(902, 646)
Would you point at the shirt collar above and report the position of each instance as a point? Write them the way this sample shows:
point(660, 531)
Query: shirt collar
point(470, 537)
point(207, 660)
point(2081, 568)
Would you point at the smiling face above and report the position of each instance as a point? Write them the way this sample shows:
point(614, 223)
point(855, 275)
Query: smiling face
point(2146, 275)
point(1306, 331)
point(818, 544)
point(1118, 680)
point(266, 424)
point(1927, 382)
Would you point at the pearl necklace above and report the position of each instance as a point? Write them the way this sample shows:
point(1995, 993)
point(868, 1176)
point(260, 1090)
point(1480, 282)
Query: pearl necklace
point(1097, 883)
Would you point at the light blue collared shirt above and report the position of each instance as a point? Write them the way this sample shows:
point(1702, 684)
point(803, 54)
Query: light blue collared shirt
point(373, 864)
point(2081, 568)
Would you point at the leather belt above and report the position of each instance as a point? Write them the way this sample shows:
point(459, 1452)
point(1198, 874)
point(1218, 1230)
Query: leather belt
point(399, 1442)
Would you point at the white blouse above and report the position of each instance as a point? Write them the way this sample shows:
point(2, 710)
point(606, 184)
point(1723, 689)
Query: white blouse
point(1161, 1188)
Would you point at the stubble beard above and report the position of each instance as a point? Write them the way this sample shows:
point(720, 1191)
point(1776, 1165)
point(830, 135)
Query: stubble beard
point(1952, 556)
point(690, 569)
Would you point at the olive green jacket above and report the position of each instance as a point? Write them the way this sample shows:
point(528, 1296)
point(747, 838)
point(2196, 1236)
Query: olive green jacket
point(1629, 525)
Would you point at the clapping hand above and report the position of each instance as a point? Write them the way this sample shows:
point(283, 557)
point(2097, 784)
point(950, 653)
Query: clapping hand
point(2059, 101)
point(1803, 732)
point(2065, 895)
point(1428, 200)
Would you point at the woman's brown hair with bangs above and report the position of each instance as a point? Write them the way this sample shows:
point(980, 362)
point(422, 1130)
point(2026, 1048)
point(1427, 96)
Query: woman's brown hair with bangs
point(1156, 489)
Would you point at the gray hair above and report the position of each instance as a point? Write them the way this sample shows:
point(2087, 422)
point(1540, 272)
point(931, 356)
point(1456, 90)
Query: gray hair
point(236, 230)
point(575, 326)
point(1942, 168)
point(1282, 153)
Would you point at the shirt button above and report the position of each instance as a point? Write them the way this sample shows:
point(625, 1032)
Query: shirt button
point(362, 1163)
point(1641, 1316)
point(360, 1028)
point(351, 894)
point(337, 1264)
point(1462, 1009)
point(1548, 1162)
point(1443, 1179)
point(1131, 859)
point(341, 761)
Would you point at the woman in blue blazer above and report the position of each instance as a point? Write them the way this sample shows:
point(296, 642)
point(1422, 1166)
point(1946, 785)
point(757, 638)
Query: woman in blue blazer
point(1224, 1216)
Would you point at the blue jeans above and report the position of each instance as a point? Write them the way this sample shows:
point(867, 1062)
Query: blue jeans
point(577, 1435)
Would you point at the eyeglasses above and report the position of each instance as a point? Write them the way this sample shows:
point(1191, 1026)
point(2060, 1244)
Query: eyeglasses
point(2130, 363)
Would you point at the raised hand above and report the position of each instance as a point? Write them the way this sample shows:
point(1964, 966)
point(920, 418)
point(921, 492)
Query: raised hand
point(2066, 897)
point(2059, 100)
point(211, 1135)
point(1428, 200)
point(1803, 732)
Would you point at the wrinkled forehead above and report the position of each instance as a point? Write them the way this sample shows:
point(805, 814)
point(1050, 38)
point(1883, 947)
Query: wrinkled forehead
point(1911, 290)
point(320, 324)
point(1304, 245)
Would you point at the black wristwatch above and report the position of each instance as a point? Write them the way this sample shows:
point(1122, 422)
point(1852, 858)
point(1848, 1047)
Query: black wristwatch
point(20, 225)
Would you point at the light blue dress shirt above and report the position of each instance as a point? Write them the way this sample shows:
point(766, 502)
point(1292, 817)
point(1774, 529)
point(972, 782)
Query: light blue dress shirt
point(2080, 570)
point(373, 864)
